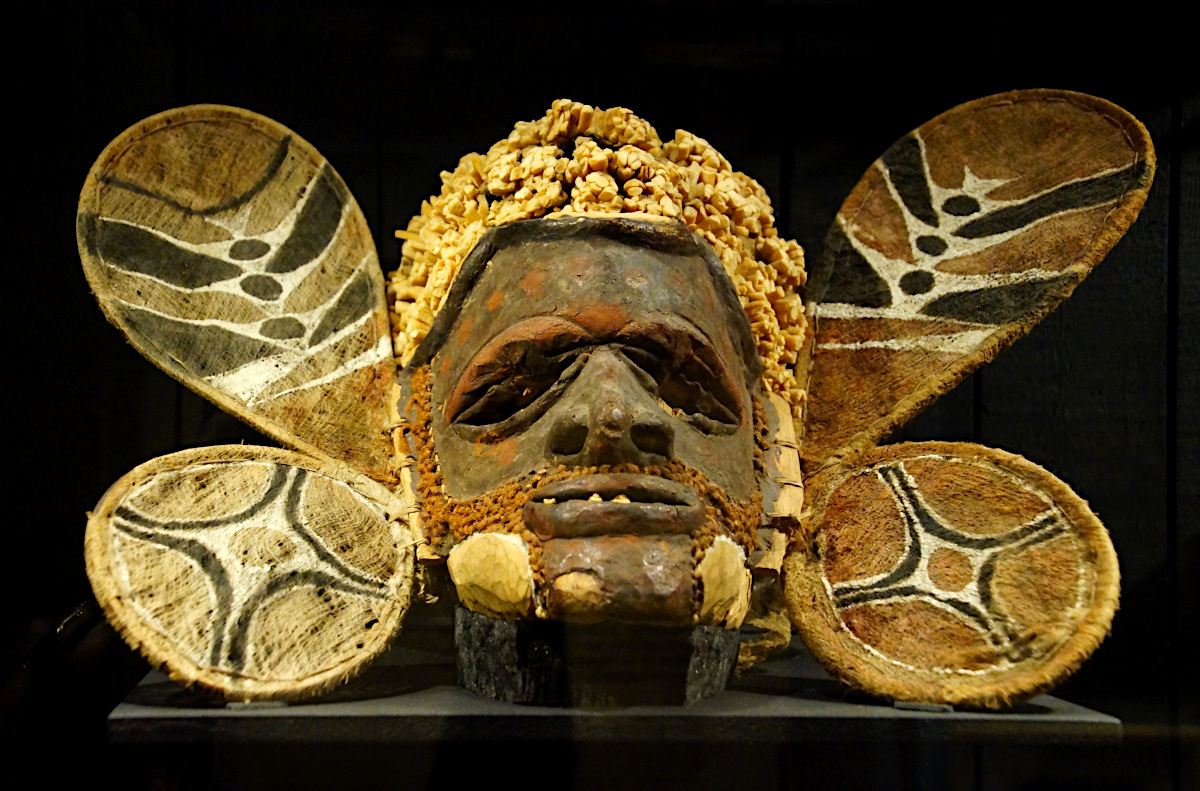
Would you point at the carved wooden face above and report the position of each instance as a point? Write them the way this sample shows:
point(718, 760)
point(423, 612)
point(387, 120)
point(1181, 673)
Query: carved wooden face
point(609, 379)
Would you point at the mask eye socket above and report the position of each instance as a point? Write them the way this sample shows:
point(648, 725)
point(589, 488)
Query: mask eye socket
point(509, 391)
point(510, 384)
point(690, 382)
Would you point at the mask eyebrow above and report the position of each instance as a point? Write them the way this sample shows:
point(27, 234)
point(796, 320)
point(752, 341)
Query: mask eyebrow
point(669, 325)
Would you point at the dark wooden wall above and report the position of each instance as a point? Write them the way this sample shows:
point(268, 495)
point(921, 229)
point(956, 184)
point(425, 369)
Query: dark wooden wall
point(802, 96)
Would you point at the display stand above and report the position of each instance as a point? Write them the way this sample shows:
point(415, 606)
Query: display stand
point(411, 696)
point(406, 723)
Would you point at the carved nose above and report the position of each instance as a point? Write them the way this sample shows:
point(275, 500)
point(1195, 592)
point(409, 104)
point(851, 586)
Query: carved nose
point(619, 423)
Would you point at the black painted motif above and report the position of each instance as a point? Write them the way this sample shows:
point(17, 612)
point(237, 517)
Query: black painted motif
point(203, 541)
point(925, 530)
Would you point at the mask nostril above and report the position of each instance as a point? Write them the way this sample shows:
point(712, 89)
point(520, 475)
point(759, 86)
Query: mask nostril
point(568, 438)
point(653, 438)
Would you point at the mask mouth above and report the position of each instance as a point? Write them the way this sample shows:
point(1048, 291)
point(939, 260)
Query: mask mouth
point(613, 504)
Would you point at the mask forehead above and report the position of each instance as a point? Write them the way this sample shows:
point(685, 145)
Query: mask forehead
point(603, 287)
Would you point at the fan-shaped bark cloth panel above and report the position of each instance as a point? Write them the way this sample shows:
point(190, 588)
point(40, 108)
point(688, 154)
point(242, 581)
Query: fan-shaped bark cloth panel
point(949, 573)
point(232, 255)
point(255, 572)
point(955, 242)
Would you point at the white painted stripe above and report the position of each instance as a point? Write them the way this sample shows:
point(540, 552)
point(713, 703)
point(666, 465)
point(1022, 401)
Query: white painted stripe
point(957, 343)
point(379, 352)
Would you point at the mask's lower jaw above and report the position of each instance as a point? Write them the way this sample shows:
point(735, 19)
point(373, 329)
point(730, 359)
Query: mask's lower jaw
point(635, 546)
point(647, 579)
point(637, 579)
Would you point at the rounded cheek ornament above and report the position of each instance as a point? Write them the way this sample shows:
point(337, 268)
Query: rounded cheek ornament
point(596, 390)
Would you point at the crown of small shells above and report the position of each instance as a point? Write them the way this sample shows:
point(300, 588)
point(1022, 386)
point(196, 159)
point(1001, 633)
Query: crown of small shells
point(618, 166)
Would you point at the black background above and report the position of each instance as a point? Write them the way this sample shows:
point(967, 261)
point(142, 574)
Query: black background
point(802, 96)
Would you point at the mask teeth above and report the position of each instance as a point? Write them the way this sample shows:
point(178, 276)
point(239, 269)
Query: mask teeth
point(595, 498)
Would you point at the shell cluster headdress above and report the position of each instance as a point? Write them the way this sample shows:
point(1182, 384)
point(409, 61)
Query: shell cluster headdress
point(579, 160)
